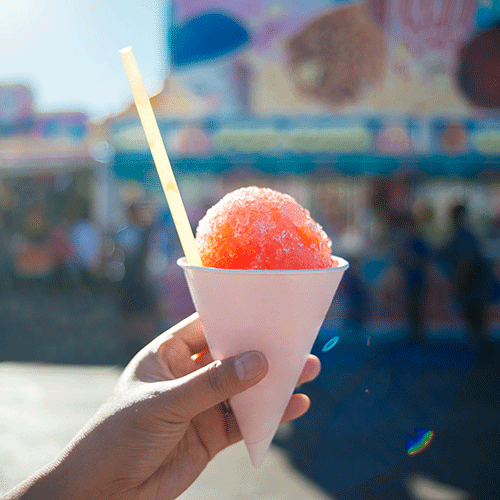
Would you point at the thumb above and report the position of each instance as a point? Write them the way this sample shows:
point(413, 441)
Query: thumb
point(218, 381)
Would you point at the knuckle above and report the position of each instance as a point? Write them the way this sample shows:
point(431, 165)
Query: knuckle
point(217, 377)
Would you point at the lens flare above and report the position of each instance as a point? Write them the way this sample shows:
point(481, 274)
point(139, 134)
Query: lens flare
point(415, 445)
point(331, 343)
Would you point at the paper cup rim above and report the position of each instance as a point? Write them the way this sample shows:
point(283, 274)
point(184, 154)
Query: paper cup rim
point(343, 265)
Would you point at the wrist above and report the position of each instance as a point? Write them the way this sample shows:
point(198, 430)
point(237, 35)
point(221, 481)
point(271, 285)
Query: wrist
point(47, 483)
point(56, 481)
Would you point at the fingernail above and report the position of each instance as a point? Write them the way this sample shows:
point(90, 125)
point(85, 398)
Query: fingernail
point(249, 365)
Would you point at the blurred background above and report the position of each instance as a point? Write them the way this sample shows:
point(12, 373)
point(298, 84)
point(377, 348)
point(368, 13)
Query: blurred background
point(379, 116)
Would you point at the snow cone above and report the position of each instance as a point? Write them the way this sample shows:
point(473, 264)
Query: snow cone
point(267, 283)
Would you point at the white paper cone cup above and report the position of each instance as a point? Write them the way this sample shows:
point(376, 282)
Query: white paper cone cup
point(276, 312)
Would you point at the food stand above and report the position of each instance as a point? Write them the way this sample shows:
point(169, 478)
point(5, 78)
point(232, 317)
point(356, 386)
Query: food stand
point(47, 160)
point(360, 109)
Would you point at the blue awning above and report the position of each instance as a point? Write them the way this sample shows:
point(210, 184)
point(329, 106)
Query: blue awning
point(140, 166)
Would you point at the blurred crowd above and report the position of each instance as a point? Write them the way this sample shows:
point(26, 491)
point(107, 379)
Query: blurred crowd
point(417, 272)
point(36, 250)
point(406, 267)
point(72, 253)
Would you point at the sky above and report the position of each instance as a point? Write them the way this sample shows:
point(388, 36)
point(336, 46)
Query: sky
point(67, 51)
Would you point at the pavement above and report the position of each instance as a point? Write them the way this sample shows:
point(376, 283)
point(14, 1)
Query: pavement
point(354, 440)
point(346, 447)
point(60, 355)
point(43, 406)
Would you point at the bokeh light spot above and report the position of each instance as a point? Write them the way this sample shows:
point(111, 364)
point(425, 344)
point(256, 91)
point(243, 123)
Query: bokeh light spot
point(330, 343)
point(417, 444)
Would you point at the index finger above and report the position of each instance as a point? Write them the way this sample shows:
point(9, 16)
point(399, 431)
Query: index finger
point(189, 331)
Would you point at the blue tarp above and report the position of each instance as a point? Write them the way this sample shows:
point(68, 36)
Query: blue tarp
point(139, 166)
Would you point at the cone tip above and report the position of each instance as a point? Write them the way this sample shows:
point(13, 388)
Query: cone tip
point(257, 451)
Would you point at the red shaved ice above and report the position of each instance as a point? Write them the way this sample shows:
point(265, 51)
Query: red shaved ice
point(259, 228)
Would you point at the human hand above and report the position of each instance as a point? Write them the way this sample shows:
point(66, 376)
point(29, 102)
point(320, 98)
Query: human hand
point(164, 421)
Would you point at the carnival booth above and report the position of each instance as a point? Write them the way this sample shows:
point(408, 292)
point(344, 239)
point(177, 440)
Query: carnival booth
point(362, 110)
point(53, 171)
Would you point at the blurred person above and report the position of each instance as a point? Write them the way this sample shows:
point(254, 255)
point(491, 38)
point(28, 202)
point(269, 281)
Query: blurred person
point(176, 300)
point(165, 420)
point(63, 253)
point(355, 292)
point(331, 216)
point(161, 247)
point(495, 226)
point(137, 299)
point(33, 258)
point(6, 255)
point(352, 240)
point(413, 258)
point(86, 240)
point(469, 272)
point(425, 216)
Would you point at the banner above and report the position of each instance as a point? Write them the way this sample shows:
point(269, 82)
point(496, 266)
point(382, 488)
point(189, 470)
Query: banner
point(378, 77)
